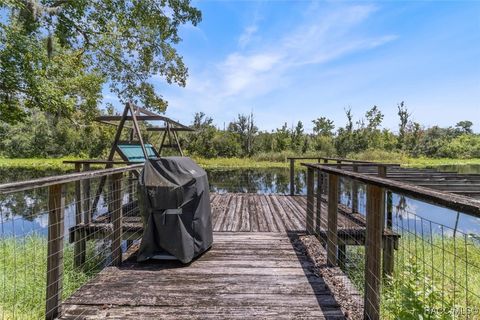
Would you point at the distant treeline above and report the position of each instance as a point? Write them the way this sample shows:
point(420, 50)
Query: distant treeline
point(45, 135)
point(242, 138)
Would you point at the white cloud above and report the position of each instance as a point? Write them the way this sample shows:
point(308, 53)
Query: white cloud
point(247, 35)
point(321, 39)
point(253, 71)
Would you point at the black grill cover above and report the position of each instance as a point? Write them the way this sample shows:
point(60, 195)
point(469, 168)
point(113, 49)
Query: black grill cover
point(174, 202)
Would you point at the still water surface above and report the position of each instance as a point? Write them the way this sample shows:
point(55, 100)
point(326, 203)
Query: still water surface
point(24, 213)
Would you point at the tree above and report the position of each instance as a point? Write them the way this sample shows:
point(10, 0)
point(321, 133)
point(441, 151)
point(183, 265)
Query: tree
point(402, 126)
point(246, 129)
point(282, 138)
point(297, 137)
point(122, 42)
point(374, 118)
point(465, 126)
point(323, 126)
point(201, 121)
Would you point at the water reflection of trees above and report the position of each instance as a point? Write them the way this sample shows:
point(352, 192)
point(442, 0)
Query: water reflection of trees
point(30, 204)
point(275, 180)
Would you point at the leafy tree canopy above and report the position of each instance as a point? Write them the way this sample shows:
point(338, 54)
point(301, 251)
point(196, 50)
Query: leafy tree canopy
point(56, 54)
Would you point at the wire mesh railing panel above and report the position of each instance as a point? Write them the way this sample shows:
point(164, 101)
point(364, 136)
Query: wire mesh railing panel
point(437, 270)
point(405, 258)
point(49, 248)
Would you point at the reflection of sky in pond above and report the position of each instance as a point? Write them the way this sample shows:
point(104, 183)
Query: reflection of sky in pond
point(407, 212)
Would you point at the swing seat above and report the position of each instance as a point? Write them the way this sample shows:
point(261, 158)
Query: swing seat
point(133, 152)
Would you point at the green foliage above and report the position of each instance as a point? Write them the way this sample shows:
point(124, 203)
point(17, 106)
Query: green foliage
point(45, 135)
point(59, 84)
point(323, 127)
point(245, 129)
point(56, 55)
point(426, 284)
point(465, 146)
point(411, 294)
point(24, 263)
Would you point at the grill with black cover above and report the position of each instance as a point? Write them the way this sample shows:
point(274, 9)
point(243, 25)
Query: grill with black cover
point(174, 202)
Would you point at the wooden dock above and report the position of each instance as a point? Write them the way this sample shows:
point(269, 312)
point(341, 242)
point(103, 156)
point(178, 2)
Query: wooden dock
point(255, 269)
point(246, 275)
point(248, 212)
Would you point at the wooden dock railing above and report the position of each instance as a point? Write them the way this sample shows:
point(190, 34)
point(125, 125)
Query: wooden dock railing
point(55, 210)
point(325, 160)
point(384, 232)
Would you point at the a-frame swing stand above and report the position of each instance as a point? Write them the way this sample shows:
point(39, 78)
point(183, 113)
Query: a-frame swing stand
point(132, 151)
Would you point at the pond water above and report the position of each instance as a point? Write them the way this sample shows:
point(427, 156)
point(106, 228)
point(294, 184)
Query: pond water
point(24, 213)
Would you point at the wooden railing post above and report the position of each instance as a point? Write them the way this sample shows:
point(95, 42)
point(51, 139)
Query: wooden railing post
point(332, 236)
point(56, 210)
point(355, 192)
point(325, 179)
point(86, 197)
point(310, 200)
point(373, 247)
point(388, 246)
point(318, 216)
point(78, 197)
point(115, 208)
point(79, 241)
point(292, 176)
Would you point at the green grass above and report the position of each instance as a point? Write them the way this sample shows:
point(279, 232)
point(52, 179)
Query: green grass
point(259, 161)
point(404, 160)
point(23, 266)
point(418, 291)
point(36, 164)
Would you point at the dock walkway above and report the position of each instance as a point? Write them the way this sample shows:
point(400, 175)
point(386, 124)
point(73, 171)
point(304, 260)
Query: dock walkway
point(256, 268)
point(244, 276)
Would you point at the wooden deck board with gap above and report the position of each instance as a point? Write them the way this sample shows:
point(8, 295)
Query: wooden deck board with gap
point(245, 275)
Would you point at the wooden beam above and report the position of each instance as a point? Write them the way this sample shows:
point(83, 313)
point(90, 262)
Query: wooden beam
point(373, 246)
point(115, 208)
point(161, 129)
point(56, 211)
point(452, 201)
point(292, 177)
point(355, 192)
point(388, 244)
point(137, 130)
point(332, 236)
point(310, 201)
point(11, 187)
point(318, 214)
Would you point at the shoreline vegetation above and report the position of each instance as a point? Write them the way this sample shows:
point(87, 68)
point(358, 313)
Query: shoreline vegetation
point(266, 161)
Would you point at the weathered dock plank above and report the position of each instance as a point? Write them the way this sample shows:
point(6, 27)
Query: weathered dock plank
point(244, 275)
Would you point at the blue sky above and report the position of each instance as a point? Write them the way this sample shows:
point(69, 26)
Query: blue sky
point(300, 60)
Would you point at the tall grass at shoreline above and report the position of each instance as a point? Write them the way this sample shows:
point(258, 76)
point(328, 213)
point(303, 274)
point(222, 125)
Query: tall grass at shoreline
point(23, 267)
point(431, 280)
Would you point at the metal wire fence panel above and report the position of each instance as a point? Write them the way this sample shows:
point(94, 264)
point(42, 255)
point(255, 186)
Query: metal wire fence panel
point(429, 255)
point(49, 248)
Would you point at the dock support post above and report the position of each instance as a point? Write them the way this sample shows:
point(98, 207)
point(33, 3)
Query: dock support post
point(292, 176)
point(115, 208)
point(355, 192)
point(56, 211)
point(332, 236)
point(310, 200)
point(373, 248)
